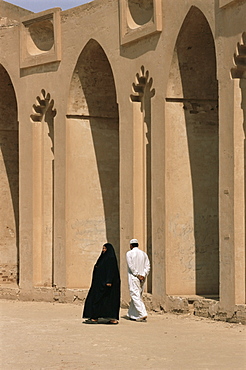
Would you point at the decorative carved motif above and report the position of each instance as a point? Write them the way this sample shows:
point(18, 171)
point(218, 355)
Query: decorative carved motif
point(43, 111)
point(44, 108)
point(143, 86)
point(240, 60)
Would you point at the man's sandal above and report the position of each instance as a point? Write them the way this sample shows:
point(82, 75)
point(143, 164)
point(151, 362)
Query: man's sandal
point(142, 319)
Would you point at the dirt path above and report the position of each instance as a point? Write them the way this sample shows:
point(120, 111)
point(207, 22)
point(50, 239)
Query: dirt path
point(42, 335)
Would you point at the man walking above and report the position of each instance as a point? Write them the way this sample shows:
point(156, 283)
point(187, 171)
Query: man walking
point(138, 268)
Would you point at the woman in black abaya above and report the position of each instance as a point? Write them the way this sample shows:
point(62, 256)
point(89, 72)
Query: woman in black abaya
point(103, 299)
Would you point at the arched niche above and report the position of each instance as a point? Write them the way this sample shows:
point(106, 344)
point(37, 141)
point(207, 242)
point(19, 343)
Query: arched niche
point(92, 207)
point(192, 248)
point(9, 180)
point(141, 12)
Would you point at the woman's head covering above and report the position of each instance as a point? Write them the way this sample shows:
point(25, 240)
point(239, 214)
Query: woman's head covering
point(110, 250)
point(106, 255)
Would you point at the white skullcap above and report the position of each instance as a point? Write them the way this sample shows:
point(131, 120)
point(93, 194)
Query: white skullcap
point(134, 241)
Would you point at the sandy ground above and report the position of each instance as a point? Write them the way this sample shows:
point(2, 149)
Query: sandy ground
point(42, 335)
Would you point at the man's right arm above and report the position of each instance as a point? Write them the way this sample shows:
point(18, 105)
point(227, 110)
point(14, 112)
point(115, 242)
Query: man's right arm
point(146, 265)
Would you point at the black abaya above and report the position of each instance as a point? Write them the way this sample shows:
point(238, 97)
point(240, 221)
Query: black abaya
point(102, 300)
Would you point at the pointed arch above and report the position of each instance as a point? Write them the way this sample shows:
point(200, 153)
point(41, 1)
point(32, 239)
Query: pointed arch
point(93, 160)
point(9, 178)
point(193, 165)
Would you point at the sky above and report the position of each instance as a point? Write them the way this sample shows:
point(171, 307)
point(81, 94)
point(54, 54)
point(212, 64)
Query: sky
point(40, 5)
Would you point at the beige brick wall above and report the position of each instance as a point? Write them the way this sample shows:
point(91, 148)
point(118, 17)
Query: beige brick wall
point(8, 274)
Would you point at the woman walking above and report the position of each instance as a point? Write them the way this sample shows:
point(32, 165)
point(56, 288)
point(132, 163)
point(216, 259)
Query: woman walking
point(103, 299)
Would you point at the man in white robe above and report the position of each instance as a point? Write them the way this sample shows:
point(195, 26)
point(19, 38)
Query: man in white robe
point(138, 269)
